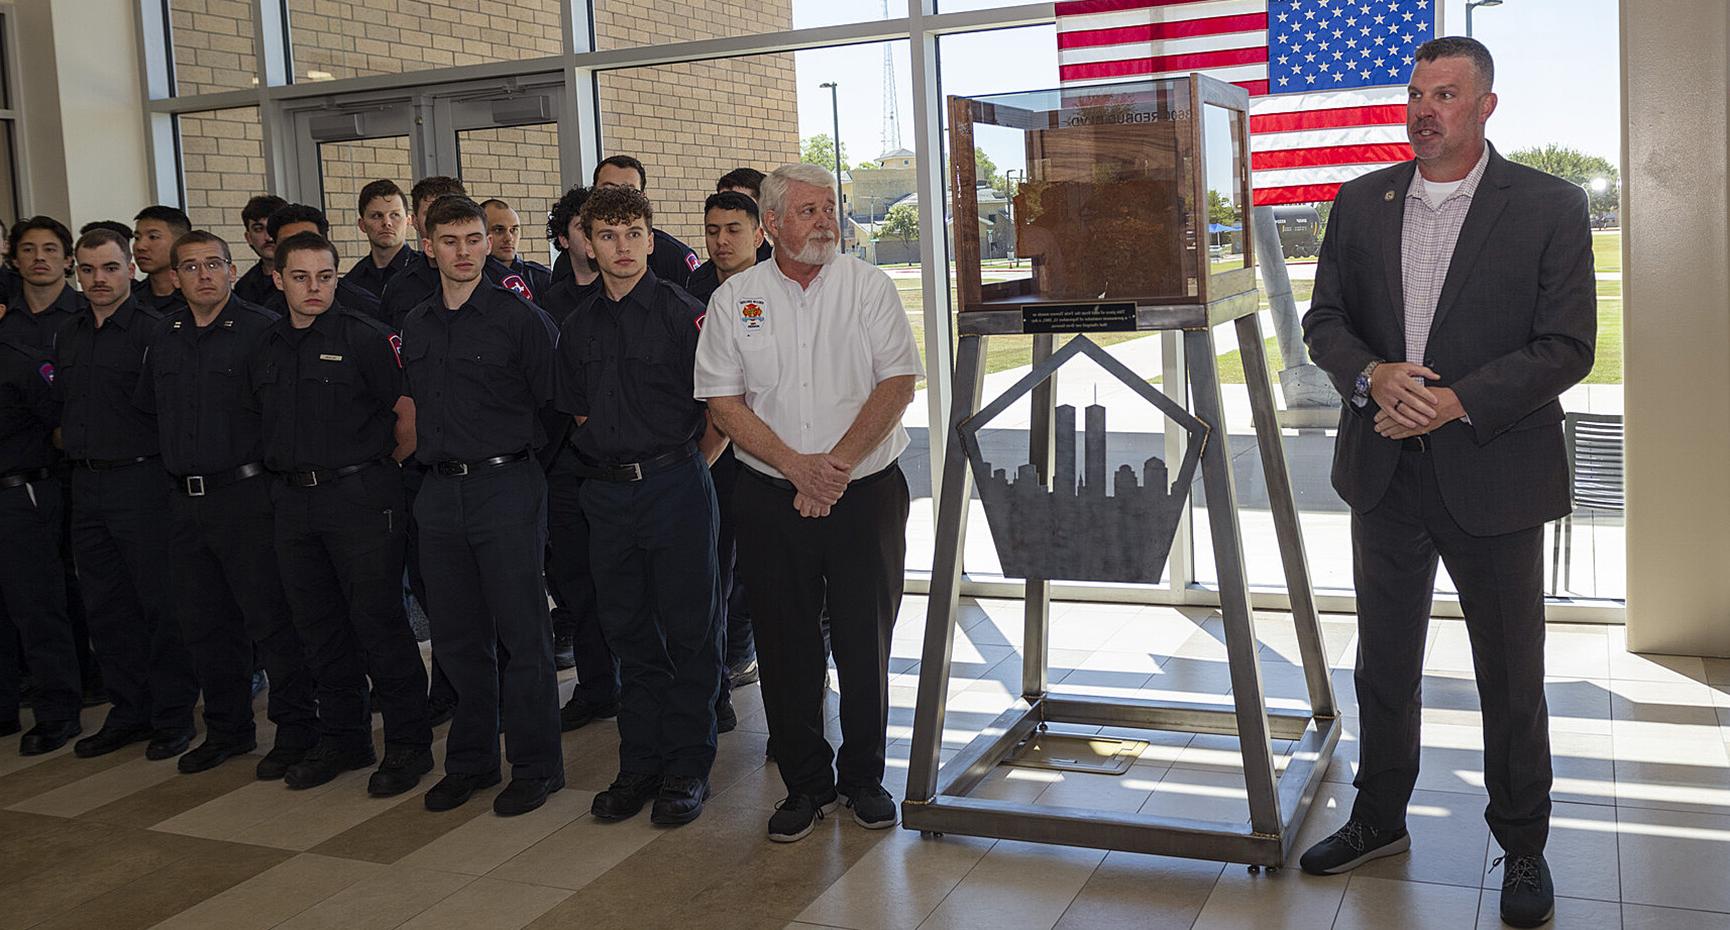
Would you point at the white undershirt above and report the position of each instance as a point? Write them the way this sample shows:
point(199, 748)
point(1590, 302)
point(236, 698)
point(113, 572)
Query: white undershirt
point(1437, 191)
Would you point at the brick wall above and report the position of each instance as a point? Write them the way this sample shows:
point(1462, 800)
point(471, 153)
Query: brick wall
point(213, 45)
point(345, 168)
point(519, 165)
point(335, 39)
point(222, 160)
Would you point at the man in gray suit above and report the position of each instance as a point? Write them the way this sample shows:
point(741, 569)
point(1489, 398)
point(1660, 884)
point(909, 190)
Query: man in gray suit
point(1454, 303)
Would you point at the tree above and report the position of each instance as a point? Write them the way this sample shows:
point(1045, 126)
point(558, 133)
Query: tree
point(902, 222)
point(820, 150)
point(1222, 211)
point(1578, 167)
point(986, 170)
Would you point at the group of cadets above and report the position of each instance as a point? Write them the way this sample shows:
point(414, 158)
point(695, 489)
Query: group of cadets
point(211, 478)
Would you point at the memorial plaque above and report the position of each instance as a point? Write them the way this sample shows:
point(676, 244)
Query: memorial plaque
point(1078, 318)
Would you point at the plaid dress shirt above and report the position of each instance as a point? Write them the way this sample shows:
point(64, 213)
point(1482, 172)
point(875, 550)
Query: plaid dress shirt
point(1427, 247)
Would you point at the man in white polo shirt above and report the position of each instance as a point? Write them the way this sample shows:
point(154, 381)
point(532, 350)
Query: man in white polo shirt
point(807, 361)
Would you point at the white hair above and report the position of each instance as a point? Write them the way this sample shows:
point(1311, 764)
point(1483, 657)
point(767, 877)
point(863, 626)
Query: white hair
point(777, 183)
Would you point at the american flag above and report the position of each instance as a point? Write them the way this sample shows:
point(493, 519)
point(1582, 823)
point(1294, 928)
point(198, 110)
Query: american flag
point(1326, 77)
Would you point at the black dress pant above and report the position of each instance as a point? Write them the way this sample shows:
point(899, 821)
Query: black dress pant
point(573, 584)
point(33, 621)
point(227, 595)
point(439, 690)
point(653, 553)
point(341, 549)
point(120, 541)
point(483, 537)
point(736, 642)
point(853, 560)
point(1395, 548)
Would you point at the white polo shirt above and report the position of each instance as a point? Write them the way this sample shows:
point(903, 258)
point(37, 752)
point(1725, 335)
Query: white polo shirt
point(806, 359)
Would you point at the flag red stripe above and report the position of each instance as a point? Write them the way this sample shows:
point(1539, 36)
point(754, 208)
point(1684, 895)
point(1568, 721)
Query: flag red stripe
point(1321, 156)
point(1303, 193)
point(1197, 61)
point(1387, 115)
point(1255, 88)
point(1154, 32)
point(1083, 7)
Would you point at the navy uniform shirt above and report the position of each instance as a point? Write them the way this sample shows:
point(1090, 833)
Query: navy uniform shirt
point(97, 372)
point(161, 306)
point(565, 296)
point(11, 284)
point(195, 384)
point(627, 366)
point(706, 280)
point(38, 329)
point(372, 278)
point(256, 286)
point(672, 261)
point(27, 410)
point(327, 393)
point(529, 279)
point(479, 375)
point(348, 296)
point(415, 283)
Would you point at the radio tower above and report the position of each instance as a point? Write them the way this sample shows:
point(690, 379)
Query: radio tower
point(891, 100)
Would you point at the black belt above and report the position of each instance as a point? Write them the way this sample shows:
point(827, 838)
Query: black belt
point(109, 464)
point(313, 477)
point(19, 479)
point(1414, 444)
point(459, 469)
point(786, 485)
point(199, 485)
point(635, 471)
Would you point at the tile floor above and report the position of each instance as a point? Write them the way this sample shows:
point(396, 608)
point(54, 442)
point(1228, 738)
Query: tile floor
point(1640, 837)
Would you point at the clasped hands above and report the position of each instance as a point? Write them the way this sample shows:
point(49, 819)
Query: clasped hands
point(819, 480)
point(1408, 407)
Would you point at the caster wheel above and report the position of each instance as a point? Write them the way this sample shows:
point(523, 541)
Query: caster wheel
point(1255, 870)
point(929, 835)
point(1272, 869)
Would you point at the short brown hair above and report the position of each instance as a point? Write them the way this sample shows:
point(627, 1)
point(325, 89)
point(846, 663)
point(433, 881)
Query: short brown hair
point(432, 188)
point(616, 205)
point(308, 241)
point(101, 236)
point(198, 237)
point(1461, 47)
point(452, 209)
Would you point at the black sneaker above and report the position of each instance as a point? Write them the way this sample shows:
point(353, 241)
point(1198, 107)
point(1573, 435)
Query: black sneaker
point(564, 651)
point(401, 770)
point(279, 760)
point(795, 816)
point(872, 807)
point(578, 713)
point(525, 794)
point(1351, 846)
point(680, 801)
point(745, 673)
point(625, 796)
point(211, 754)
point(260, 683)
point(1528, 894)
point(325, 762)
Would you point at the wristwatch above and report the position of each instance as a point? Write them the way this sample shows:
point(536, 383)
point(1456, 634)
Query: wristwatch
point(1361, 390)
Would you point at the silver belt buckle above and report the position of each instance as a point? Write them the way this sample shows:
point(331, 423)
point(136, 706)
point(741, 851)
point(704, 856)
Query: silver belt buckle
point(312, 480)
point(194, 485)
point(461, 470)
point(636, 470)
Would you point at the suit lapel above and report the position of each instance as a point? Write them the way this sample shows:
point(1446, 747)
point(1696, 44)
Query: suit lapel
point(1391, 221)
point(1487, 205)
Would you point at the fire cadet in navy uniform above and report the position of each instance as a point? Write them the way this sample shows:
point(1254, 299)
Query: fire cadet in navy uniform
point(479, 361)
point(505, 266)
point(626, 357)
point(224, 588)
point(256, 286)
point(576, 625)
point(155, 230)
point(384, 221)
point(32, 598)
point(673, 261)
point(330, 387)
point(297, 218)
point(707, 278)
point(120, 509)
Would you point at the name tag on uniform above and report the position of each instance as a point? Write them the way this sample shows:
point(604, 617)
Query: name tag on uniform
point(330, 358)
point(753, 315)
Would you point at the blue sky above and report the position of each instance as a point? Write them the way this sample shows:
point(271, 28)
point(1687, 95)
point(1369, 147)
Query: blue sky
point(1557, 73)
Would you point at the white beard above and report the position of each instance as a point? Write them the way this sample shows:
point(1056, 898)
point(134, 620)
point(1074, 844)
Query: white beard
point(817, 252)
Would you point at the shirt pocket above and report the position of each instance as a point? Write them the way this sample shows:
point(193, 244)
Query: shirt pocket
point(762, 365)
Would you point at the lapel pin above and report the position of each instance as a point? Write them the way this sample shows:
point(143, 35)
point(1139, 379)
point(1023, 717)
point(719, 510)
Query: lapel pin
point(1389, 196)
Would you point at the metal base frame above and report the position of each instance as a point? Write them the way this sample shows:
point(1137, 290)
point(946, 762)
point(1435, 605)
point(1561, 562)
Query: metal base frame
point(937, 794)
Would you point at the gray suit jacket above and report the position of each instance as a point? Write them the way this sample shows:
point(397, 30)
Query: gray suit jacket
point(1516, 326)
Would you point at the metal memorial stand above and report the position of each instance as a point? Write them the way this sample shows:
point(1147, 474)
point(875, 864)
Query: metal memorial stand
point(938, 798)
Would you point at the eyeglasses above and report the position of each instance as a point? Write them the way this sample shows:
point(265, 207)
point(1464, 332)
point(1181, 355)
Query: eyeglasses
point(214, 266)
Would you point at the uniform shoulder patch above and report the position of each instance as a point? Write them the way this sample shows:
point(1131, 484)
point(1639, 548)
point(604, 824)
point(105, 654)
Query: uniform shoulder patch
point(46, 370)
point(396, 348)
point(691, 261)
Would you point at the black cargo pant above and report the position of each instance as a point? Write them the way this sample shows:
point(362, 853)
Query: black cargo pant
point(33, 621)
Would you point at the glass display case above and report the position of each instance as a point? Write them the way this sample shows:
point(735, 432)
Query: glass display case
point(1135, 205)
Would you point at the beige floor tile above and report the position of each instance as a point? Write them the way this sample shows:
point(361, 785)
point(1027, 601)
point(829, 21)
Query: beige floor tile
point(1573, 653)
point(489, 903)
point(488, 841)
point(1675, 703)
point(579, 852)
point(1126, 792)
point(1217, 752)
point(1675, 786)
point(1369, 902)
point(1216, 796)
point(1283, 900)
point(1579, 705)
point(1674, 859)
point(1128, 890)
point(1642, 917)
point(274, 895)
point(234, 815)
point(1650, 667)
point(382, 900)
point(1581, 853)
point(1012, 783)
point(100, 788)
point(1584, 768)
point(157, 895)
point(1571, 914)
point(332, 814)
point(1016, 886)
point(1449, 837)
point(898, 883)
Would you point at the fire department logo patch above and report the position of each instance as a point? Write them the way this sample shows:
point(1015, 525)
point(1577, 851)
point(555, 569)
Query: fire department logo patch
point(515, 282)
point(691, 261)
point(396, 348)
point(751, 314)
point(47, 372)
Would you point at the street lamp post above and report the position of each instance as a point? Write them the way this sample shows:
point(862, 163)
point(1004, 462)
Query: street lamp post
point(835, 114)
point(1472, 5)
point(1012, 179)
